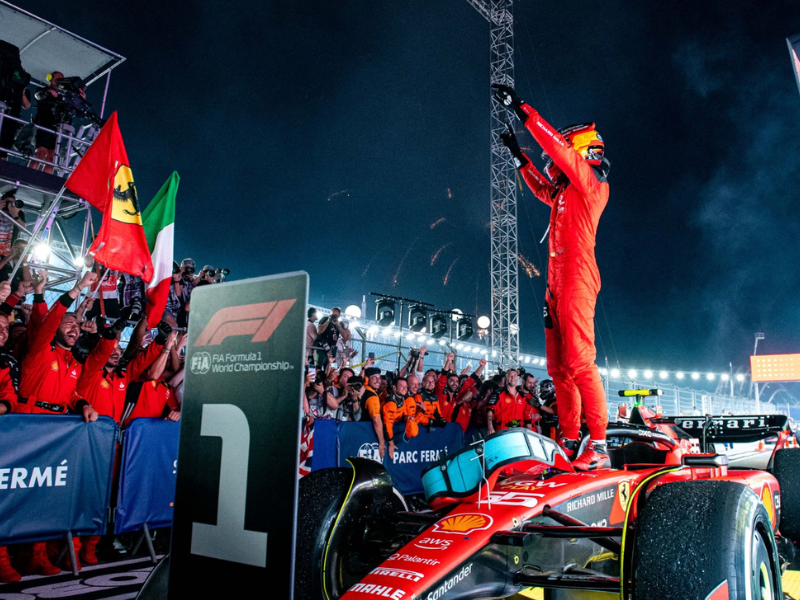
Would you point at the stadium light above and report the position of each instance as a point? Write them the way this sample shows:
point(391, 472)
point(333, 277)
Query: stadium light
point(695, 376)
point(484, 322)
point(648, 374)
point(463, 329)
point(438, 325)
point(442, 342)
point(603, 371)
point(527, 359)
point(632, 374)
point(41, 252)
point(397, 334)
point(459, 346)
point(710, 376)
point(679, 375)
point(417, 317)
point(724, 377)
point(352, 312)
point(373, 329)
point(80, 262)
point(410, 336)
point(494, 352)
point(663, 375)
point(615, 372)
point(384, 312)
point(739, 377)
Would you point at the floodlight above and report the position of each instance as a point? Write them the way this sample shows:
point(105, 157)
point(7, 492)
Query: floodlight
point(739, 377)
point(663, 375)
point(710, 376)
point(648, 374)
point(41, 252)
point(695, 376)
point(384, 312)
point(417, 317)
point(438, 325)
point(725, 377)
point(463, 329)
point(632, 373)
point(484, 322)
point(615, 372)
point(352, 312)
point(679, 375)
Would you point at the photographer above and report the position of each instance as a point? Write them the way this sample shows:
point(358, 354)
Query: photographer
point(50, 113)
point(14, 93)
point(9, 230)
point(327, 338)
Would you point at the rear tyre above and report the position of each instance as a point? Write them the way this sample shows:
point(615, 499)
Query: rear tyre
point(786, 469)
point(321, 496)
point(705, 540)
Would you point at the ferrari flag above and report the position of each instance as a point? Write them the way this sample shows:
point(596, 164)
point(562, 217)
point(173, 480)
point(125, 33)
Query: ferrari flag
point(103, 178)
point(159, 225)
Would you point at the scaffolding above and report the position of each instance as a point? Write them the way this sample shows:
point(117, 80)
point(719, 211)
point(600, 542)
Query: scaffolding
point(63, 229)
point(503, 200)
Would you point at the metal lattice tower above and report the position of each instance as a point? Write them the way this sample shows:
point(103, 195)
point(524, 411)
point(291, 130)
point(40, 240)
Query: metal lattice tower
point(505, 291)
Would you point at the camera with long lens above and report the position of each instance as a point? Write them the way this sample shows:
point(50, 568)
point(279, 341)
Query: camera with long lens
point(221, 275)
point(70, 103)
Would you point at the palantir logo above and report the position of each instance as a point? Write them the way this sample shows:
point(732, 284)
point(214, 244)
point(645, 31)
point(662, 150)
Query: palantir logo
point(258, 320)
point(201, 363)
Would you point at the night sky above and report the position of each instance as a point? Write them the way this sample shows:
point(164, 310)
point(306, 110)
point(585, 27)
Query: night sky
point(351, 140)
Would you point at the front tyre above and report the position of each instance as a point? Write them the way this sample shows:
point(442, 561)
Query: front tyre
point(706, 540)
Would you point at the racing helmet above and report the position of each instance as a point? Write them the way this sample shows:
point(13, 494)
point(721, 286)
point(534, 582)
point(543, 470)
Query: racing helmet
point(585, 140)
point(547, 391)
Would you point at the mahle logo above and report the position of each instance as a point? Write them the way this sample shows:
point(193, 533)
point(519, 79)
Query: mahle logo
point(201, 363)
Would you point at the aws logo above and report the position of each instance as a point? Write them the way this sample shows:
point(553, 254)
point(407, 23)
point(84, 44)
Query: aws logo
point(257, 320)
point(125, 207)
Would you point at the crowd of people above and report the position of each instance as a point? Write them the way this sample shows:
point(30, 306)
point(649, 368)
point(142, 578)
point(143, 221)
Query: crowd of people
point(67, 357)
point(414, 396)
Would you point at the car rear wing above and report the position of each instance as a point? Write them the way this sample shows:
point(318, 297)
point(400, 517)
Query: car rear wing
point(742, 428)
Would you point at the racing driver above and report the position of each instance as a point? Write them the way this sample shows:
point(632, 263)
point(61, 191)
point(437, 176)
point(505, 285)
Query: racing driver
point(577, 194)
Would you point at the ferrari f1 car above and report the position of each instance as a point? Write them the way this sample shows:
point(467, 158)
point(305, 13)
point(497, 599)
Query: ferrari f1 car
point(665, 523)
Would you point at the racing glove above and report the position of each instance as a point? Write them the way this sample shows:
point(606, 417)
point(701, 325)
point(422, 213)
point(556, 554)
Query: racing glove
point(111, 332)
point(164, 329)
point(506, 96)
point(510, 141)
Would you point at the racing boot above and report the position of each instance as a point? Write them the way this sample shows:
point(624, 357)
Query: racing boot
point(7, 573)
point(88, 556)
point(595, 456)
point(39, 563)
point(569, 447)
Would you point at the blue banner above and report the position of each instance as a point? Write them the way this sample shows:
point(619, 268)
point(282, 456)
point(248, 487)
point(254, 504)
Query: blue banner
point(55, 476)
point(410, 457)
point(147, 475)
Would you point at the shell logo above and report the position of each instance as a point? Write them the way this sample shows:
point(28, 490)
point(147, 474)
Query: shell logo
point(766, 499)
point(463, 524)
point(105, 384)
point(54, 366)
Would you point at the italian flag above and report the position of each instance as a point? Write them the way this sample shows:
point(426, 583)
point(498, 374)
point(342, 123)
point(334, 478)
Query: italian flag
point(158, 220)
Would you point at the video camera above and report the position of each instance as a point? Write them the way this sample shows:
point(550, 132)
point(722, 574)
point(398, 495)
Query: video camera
point(70, 102)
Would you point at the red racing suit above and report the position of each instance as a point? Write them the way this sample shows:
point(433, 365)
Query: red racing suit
point(155, 401)
point(50, 373)
point(106, 391)
point(573, 280)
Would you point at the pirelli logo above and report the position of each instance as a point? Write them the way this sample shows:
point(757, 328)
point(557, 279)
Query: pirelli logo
point(257, 320)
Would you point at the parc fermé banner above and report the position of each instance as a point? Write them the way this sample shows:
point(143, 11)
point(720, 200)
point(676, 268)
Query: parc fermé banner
point(147, 475)
point(55, 476)
point(236, 492)
point(411, 456)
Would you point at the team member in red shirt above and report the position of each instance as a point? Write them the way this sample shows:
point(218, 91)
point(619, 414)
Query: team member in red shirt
point(578, 170)
point(152, 397)
point(9, 382)
point(49, 371)
point(467, 397)
point(510, 408)
point(101, 383)
point(447, 388)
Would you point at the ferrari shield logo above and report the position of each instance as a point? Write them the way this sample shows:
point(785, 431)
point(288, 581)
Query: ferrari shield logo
point(766, 499)
point(125, 207)
point(624, 494)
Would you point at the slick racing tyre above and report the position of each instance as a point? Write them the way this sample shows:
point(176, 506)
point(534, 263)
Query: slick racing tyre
point(786, 470)
point(343, 526)
point(705, 540)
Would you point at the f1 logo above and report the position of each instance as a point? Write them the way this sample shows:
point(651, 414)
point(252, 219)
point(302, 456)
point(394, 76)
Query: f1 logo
point(259, 320)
